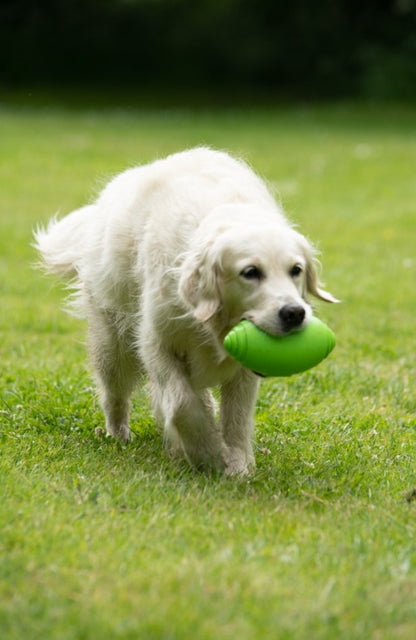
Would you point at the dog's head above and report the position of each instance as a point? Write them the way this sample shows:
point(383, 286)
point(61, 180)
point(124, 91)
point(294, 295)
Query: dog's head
point(245, 269)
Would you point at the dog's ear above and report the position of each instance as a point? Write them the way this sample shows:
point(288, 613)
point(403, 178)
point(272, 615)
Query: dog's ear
point(198, 286)
point(313, 285)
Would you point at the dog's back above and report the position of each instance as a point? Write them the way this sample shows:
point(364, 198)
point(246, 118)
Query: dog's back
point(143, 220)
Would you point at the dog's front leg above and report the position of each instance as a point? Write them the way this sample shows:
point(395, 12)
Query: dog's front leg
point(189, 420)
point(187, 414)
point(238, 398)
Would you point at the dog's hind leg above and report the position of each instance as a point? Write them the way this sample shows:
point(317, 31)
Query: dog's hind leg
point(117, 370)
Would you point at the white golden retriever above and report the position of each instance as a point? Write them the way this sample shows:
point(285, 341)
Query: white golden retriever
point(166, 261)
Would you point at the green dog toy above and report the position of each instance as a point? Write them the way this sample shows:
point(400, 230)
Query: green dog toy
point(285, 355)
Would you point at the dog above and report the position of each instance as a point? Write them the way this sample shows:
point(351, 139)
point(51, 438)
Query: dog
point(163, 264)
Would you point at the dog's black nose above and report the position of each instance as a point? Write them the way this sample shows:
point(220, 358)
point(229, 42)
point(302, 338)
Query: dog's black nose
point(291, 316)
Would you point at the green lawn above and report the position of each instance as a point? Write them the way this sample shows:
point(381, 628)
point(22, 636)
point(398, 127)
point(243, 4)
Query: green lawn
point(100, 540)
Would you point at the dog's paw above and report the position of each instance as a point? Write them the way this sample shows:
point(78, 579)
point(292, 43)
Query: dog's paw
point(121, 432)
point(238, 463)
point(234, 469)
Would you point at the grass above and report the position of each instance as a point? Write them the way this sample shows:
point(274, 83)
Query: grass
point(100, 540)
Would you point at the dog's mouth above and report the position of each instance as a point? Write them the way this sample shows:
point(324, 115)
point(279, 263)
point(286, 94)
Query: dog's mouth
point(289, 319)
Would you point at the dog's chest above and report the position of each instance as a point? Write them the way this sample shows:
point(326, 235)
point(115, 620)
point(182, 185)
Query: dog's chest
point(206, 366)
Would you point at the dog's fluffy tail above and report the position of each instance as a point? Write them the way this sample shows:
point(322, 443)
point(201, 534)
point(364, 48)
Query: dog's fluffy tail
point(61, 243)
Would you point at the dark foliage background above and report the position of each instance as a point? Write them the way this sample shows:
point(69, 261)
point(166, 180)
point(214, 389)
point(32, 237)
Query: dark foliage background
point(297, 47)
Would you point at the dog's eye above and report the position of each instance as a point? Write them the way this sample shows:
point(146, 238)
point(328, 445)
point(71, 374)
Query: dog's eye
point(252, 273)
point(296, 270)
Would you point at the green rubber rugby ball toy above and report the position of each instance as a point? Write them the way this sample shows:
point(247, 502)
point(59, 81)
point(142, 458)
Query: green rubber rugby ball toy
point(284, 355)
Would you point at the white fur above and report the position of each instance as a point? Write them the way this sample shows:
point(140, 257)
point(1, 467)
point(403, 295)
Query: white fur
point(158, 264)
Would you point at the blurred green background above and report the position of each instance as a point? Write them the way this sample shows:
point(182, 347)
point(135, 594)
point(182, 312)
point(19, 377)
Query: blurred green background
point(296, 49)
